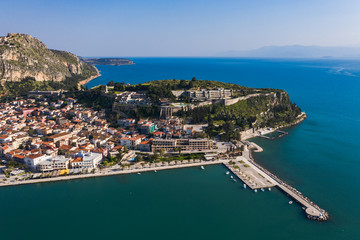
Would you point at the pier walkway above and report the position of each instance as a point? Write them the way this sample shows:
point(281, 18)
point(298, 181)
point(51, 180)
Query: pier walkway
point(253, 177)
point(267, 179)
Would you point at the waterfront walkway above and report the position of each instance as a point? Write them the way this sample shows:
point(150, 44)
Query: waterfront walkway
point(112, 171)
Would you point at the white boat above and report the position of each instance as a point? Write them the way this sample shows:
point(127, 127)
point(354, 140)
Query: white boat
point(139, 173)
point(262, 190)
point(202, 167)
point(269, 188)
point(255, 190)
point(231, 177)
point(227, 173)
point(290, 202)
point(234, 180)
point(155, 171)
point(244, 185)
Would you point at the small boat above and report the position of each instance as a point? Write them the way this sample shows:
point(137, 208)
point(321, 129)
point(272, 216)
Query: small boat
point(231, 177)
point(290, 202)
point(234, 180)
point(227, 173)
point(244, 185)
point(262, 190)
point(155, 171)
point(202, 167)
point(255, 190)
point(139, 173)
point(269, 188)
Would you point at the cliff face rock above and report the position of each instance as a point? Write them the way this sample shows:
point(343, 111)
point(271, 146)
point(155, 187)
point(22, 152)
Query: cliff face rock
point(23, 56)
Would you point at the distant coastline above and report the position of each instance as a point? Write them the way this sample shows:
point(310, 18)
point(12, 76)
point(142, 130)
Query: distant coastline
point(108, 61)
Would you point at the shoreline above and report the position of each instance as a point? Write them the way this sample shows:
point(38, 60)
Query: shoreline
point(312, 210)
point(86, 81)
point(111, 172)
point(251, 133)
point(118, 171)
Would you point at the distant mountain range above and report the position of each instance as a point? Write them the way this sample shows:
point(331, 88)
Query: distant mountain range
point(296, 51)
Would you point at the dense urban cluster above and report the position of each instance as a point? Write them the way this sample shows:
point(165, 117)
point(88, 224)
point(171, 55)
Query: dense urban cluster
point(49, 132)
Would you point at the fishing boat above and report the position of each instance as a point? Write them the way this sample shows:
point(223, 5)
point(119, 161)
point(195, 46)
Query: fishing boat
point(269, 188)
point(227, 173)
point(139, 173)
point(290, 202)
point(262, 190)
point(244, 185)
point(202, 167)
point(231, 177)
point(255, 190)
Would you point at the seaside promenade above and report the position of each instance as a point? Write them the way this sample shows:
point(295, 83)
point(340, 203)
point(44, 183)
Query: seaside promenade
point(112, 171)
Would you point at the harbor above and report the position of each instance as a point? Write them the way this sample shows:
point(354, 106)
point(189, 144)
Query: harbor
point(256, 177)
point(243, 168)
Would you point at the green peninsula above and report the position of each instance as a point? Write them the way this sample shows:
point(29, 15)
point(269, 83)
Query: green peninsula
point(226, 108)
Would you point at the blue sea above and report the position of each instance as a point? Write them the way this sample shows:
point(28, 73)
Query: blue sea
point(320, 157)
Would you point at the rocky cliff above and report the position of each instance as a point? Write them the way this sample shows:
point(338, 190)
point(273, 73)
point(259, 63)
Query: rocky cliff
point(23, 56)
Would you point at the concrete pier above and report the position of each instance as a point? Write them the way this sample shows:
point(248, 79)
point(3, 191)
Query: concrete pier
point(252, 177)
point(268, 179)
point(282, 133)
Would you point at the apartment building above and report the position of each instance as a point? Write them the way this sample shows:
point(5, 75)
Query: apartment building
point(184, 144)
point(204, 94)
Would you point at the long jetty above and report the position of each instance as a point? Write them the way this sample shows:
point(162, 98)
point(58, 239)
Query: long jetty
point(312, 211)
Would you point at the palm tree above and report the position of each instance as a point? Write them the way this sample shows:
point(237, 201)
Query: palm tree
point(162, 152)
point(179, 149)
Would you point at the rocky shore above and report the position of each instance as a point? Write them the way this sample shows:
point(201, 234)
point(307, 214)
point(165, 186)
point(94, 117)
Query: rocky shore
point(84, 82)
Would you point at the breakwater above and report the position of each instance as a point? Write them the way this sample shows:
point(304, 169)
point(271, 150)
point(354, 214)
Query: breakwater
point(312, 210)
point(281, 134)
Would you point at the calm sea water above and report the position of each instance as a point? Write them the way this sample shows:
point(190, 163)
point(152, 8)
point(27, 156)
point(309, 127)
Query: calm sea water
point(320, 157)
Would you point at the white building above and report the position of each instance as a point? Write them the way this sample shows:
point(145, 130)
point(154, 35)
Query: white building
point(55, 163)
point(33, 160)
point(90, 159)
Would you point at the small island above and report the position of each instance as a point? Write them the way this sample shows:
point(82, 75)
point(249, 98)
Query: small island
point(108, 61)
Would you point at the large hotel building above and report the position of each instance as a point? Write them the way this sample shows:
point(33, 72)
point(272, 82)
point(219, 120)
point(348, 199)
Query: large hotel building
point(184, 144)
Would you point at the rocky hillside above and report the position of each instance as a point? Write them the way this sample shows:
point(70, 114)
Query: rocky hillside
point(23, 56)
point(272, 109)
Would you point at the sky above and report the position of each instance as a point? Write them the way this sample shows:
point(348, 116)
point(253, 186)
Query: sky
point(181, 27)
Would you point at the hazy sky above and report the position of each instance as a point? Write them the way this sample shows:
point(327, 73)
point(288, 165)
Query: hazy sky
point(181, 27)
